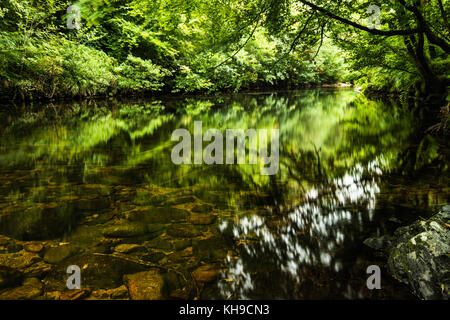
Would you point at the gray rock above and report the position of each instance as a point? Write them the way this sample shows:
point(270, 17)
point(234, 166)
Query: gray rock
point(420, 257)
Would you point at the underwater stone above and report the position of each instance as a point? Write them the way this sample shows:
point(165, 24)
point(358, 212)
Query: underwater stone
point(39, 223)
point(145, 285)
point(203, 208)
point(9, 277)
point(183, 231)
point(158, 244)
point(57, 254)
point(98, 271)
point(206, 273)
point(201, 218)
point(125, 230)
point(129, 248)
point(178, 201)
point(158, 215)
point(18, 260)
point(34, 247)
point(377, 243)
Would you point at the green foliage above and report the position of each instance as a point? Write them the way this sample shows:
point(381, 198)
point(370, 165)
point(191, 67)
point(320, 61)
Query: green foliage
point(147, 46)
point(143, 46)
point(137, 74)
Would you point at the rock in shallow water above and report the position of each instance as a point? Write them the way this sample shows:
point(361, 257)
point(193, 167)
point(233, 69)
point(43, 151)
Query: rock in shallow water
point(145, 285)
point(158, 215)
point(34, 247)
point(420, 256)
point(97, 271)
point(31, 288)
point(206, 273)
point(202, 218)
point(183, 231)
point(58, 254)
point(9, 277)
point(129, 248)
point(18, 260)
point(39, 223)
point(377, 243)
point(126, 230)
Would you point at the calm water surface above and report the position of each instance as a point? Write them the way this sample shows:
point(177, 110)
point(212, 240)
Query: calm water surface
point(94, 176)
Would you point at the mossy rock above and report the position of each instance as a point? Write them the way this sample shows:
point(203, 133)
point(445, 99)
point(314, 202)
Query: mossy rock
point(420, 257)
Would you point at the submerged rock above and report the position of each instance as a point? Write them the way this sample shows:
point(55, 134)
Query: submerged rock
point(158, 215)
point(213, 248)
point(201, 218)
point(75, 294)
point(158, 243)
point(145, 285)
point(31, 288)
point(97, 271)
point(9, 277)
point(203, 208)
point(420, 256)
point(378, 243)
point(206, 273)
point(126, 230)
point(129, 248)
point(39, 223)
point(18, 260)
point(58, 254)
point(178, 201)
point(34, 247)
point(183, 231)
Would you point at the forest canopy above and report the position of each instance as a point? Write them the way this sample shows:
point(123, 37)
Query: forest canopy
point(59, 48)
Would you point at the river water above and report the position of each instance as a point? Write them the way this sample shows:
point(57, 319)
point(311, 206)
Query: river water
point(93, 184)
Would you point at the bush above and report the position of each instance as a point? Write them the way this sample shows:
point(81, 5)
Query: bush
point(136, 74)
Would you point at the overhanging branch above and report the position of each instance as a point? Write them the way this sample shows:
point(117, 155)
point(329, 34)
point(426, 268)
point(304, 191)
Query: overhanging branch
point(388, 33)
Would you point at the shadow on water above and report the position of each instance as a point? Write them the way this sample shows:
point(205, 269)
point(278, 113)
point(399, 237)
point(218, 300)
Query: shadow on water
point(100, 177)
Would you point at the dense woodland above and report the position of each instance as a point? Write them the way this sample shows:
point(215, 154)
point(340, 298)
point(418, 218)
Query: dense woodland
point(50, 50)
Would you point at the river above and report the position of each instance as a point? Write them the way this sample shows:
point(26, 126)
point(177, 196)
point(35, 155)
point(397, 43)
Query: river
point(93, 184)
